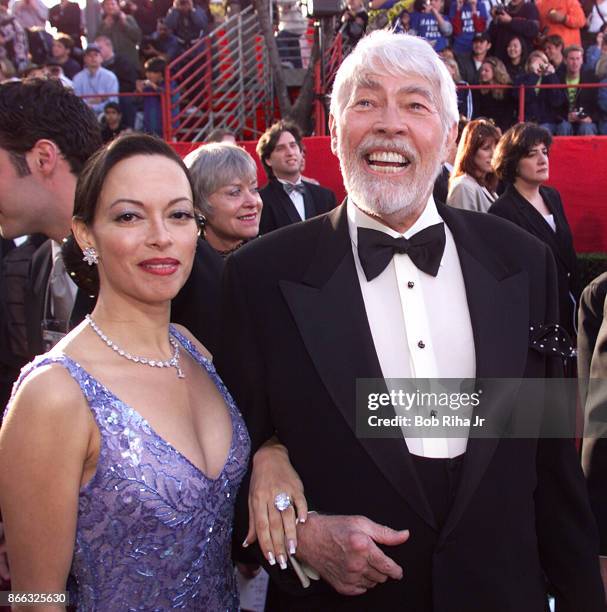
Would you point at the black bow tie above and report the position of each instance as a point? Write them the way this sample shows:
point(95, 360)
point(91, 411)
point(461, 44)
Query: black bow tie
point(290, 187)
point(376, 249)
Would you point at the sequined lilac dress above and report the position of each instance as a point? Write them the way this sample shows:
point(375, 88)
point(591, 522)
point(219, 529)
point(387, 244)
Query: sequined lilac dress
point(153, 533)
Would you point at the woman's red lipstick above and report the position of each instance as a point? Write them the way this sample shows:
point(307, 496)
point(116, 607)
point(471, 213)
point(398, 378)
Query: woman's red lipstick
point(161, 266)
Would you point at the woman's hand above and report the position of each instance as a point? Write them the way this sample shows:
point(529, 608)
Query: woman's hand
point(274, 474)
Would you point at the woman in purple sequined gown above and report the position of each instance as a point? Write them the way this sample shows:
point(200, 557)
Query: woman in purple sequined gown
point(121, 449)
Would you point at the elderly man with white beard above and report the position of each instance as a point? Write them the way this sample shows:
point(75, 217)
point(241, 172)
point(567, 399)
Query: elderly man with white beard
point(392, 285)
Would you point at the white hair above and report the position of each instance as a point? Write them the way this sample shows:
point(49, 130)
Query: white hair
point(215, 165)
point(398, 55)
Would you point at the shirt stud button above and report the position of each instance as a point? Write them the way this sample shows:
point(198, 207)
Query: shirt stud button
point(421, 344)
point(410, 284)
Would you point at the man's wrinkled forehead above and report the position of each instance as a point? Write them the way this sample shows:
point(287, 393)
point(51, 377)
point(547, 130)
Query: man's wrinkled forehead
point(405, 84)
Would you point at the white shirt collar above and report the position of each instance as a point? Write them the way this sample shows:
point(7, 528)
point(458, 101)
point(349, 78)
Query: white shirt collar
point(55, 250)
point(297, 182)
point(357, 218)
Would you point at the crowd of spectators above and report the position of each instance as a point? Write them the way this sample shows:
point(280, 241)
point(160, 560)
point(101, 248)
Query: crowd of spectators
point(504, 46)
point(109, 48)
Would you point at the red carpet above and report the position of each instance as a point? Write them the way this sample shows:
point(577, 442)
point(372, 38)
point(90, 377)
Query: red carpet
point(578, 169)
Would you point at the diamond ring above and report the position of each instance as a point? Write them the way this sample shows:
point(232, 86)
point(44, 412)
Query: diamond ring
point(282, 501)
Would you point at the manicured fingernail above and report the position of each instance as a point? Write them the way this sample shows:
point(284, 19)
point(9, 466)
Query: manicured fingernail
point(245, 544)
point(301, 520)
point(292, 547)
point(282, 562)
point(271, 559)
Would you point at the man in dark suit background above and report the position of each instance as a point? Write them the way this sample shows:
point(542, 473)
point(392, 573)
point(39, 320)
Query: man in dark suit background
point(46, 136)
point(360, 293)
point(592, 371)
point(286, 198)
point(6, 359)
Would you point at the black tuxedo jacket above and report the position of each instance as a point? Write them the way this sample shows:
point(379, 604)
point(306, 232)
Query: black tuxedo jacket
point(6, 356)
point(592, 369)
point(197, 305)
point(441, 185)
point(279, 210)
point(41, 267)
point(514, 207)
point(297, 338)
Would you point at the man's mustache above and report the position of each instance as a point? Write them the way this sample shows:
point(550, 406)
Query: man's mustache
point(402, 146)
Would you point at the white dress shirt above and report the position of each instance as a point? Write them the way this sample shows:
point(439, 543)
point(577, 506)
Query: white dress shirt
point(297, 199)
point(420, 324)
point(550, 221)
point(66, 287)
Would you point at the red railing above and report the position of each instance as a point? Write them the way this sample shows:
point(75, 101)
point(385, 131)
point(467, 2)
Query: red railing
point(187, 79)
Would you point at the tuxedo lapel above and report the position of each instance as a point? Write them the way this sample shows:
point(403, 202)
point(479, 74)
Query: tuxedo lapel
point(329, 312)
point(498, 304)
point(309, 205)
point(533, 219)
point(562, 238)
point(36, 296)
point(284, 209)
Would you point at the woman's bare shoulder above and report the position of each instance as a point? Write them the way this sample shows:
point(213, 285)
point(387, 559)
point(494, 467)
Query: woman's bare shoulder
point(49, 392)
point(48, 417)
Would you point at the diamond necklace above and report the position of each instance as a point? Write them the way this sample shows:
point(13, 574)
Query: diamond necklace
point(173, 362)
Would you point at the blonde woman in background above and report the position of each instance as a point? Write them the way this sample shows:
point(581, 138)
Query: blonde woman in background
point(494, 103)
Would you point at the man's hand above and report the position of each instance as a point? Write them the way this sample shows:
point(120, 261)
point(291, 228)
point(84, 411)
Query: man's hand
point(343, 550)
point(503, 18)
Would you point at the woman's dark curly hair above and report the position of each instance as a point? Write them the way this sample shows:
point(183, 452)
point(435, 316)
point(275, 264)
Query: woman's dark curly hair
point(516, 144)
point(88, 189)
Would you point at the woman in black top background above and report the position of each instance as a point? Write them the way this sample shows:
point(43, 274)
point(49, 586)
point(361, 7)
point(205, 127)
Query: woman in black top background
point(521, 161)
